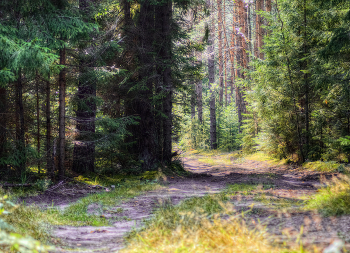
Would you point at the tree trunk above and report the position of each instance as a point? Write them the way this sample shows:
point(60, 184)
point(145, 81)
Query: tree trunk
point(62, 114)
point(226, 48)
point(163, 16)
point(49, 162)
point(20, 124)
point(38, 123)
point(240, 63)
point(84, 145)
point(3, 130)
point(199, 92)
point(306, 80)
point(211, 72)
point(146, 133)
point(259, 31)
point(221, 62)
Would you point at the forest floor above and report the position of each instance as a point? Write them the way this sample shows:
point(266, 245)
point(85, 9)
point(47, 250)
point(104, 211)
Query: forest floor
point(278, 199)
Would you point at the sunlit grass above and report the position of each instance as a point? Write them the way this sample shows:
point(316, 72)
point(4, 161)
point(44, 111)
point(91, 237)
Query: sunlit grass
point(334, 199)
point(36, 222)
point(263, 157)
point(197, 225)
point(330, 166)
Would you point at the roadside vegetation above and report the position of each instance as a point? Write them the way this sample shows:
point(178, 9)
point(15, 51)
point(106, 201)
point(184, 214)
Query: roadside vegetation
point(35, 222)
point(206, 224)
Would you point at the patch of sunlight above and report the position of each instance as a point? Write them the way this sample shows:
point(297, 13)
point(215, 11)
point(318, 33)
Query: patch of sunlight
point(330, 166)
point(263, 157)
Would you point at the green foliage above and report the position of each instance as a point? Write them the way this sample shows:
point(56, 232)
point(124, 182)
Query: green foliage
point(298, 94)
point(111, 155)
point(13, 242)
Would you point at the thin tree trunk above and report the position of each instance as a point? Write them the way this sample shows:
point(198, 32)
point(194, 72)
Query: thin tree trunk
point(62, 114)
point(3, 125)
point(240, 62)
point(221, 62)
point(38, 123)
point(306, 80)
point(20, 124)
point(211, 72)
point(259, 31)
point(49, 162)
point(226, 54)
point(199, 91)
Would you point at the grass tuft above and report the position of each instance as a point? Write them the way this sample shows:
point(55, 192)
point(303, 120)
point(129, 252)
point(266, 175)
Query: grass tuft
point(204, 224)
point(330, 166)
point(334, 199)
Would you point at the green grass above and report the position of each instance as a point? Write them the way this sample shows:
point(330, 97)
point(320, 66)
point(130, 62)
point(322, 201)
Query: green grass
point(36, 222)
point(279, 203)
point(196, 225)
point(330, 166)
point(244, 189)
point(334, 199)
point(263, 157)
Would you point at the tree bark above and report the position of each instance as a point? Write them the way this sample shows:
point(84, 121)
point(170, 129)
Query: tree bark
point(49, 162)
point(221, 62)
point(38, 123)
point(3, 126)
point(20, 131)
point(84, 146)
point(62, 114)
point(259, 31)
point(211, 72)
point(307, 88)
point(199, 92)
point(164, 18)
point(146, 130)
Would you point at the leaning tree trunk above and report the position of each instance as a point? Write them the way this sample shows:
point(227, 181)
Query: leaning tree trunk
point(62, 114)
point(211, 72)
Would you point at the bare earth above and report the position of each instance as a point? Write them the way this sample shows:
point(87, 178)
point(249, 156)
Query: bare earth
point(287, 184)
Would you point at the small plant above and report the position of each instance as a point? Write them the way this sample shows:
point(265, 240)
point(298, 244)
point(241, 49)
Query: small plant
point(43, 184)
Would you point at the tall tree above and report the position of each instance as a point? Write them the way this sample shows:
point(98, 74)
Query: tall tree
point(211, 73)
point(62, 115)
point(220, 56)
point(84, 145)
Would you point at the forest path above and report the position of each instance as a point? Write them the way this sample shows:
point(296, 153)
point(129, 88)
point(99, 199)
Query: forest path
point(281, 187)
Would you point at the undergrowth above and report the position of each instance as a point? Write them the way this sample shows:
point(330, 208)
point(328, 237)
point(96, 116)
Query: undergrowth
point(334, 199)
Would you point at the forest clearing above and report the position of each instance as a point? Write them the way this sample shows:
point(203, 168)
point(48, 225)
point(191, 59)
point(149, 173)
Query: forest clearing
point(174, 126)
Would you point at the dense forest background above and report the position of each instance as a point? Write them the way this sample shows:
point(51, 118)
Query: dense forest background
point(110, 86)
